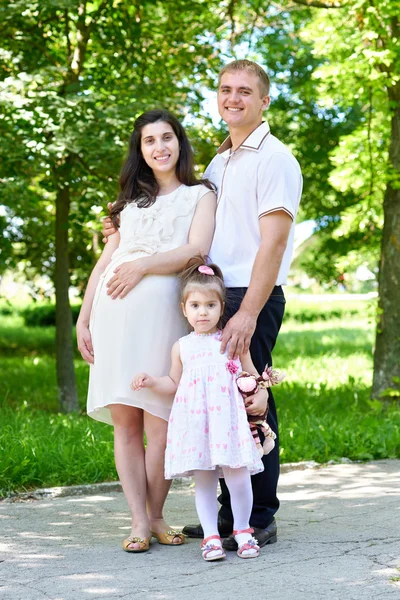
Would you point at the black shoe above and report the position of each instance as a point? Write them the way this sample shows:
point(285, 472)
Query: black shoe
point(263, 536)
point(196, 531)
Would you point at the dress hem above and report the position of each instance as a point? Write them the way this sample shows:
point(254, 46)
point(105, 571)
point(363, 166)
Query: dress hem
point(190, 472)
point(93, 413)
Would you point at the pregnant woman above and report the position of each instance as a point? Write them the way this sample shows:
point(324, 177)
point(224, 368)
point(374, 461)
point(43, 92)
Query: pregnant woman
point(130, 315)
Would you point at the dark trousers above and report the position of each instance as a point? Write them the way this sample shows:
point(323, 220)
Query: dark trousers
point(265, 501)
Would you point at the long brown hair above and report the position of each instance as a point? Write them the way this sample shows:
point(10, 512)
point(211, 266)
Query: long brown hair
point(137, 182)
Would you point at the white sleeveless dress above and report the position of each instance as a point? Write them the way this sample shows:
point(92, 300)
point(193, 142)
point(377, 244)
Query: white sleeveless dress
point(136, 333)
point(208, 425)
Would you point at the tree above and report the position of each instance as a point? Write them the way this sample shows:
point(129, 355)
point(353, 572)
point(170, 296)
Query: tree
point(74, 76)
point(360, 43)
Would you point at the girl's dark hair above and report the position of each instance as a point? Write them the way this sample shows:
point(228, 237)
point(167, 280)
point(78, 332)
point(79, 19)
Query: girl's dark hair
point(137, 182)
point(191, 279)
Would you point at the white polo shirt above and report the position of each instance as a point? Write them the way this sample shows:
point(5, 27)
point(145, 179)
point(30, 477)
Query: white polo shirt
point(260, 177)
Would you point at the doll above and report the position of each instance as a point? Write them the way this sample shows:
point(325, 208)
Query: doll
point(249, 385)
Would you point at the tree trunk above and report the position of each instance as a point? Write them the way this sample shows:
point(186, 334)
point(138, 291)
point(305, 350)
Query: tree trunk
point(387, 348)
point(68, 397)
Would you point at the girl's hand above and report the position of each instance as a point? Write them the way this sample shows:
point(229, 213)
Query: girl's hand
point(84, 339)
point(126, 277)
point(142, 380)
point(257, 404)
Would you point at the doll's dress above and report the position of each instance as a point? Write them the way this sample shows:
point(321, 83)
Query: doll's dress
point(208, 425)
point(136, 333)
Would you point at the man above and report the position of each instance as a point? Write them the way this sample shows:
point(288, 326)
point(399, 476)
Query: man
point(259, 187)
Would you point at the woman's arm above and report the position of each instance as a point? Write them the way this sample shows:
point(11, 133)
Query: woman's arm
point(165, 263)
point(256, 404)
point(82, 326)
point(162, 385)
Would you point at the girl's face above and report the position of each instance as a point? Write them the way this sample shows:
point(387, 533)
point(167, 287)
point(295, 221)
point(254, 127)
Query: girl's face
point(203, 310)
point(160, 147)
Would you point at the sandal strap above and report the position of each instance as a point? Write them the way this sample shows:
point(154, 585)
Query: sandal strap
point(209, 549)
point(206, 547)
point(210, 537)
point(250, 545)
point(238, 531)
point(171, 533)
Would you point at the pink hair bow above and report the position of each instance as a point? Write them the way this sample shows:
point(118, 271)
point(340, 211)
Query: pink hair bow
point(206, 270)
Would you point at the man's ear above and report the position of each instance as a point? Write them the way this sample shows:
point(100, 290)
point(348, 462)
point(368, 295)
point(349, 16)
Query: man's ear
point(266, 102)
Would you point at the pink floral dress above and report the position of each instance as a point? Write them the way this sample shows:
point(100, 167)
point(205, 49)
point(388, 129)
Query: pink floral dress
point(208, 425)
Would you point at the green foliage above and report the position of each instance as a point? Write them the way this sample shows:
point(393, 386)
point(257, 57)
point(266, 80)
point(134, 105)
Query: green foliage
point(307, 312)
point(315, 126)
point(37, 315)
point(358, 58)
point(392, 393)
point(41, 314)
point(73, 79)
point(17, 340)
point(330, 72)
point(6, 308)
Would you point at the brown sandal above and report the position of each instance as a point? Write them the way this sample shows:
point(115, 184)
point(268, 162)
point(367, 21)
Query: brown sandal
point(167, 537)
point(144, 544)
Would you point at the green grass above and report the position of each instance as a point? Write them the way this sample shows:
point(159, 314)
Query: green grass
point(39, 449)
point(324, 407)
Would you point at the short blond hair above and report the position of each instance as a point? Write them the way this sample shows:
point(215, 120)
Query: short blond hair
point(250, 67)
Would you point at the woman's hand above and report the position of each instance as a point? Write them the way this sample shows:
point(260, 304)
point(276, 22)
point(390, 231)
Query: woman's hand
point(142, 380)
point(256, 405)
point(84, 339)
point(126, 277)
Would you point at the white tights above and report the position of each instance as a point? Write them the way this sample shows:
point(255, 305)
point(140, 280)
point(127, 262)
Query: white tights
point(239, 486)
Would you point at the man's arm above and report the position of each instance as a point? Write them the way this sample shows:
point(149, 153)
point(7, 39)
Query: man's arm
point(274, 230)
point(108, 226)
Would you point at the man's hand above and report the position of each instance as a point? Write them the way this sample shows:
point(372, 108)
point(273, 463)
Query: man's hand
point(108, 226)
point(126, 277)
point(238, 331)
point(84, 340)
point(256, 405)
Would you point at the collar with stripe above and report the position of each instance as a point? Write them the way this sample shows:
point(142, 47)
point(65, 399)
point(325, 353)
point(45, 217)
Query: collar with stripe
point(253, 141)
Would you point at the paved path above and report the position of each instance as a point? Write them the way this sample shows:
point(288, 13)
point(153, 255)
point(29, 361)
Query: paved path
point(339, 538)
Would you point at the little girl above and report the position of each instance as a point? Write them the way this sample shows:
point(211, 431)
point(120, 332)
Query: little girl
point(208, 432)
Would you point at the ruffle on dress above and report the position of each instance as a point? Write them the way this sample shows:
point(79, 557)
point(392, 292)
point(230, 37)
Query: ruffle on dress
point(151, 228)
